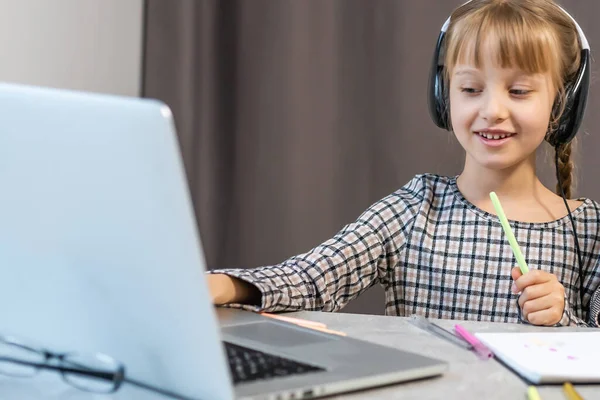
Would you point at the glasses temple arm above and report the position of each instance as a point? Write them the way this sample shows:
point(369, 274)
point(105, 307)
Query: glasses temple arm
point(109, 376)
point(157, 390)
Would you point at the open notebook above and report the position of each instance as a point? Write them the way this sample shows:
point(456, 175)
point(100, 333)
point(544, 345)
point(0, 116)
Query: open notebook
point(548, 357)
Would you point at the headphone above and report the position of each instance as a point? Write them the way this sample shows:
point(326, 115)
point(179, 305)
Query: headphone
point(576, 91)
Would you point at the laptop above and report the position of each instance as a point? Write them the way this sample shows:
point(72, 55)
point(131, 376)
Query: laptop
point(100, 256)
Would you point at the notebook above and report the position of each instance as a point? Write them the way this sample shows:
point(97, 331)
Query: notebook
point(548, 357)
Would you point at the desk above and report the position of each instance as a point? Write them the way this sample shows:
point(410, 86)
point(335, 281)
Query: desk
point(468, 377)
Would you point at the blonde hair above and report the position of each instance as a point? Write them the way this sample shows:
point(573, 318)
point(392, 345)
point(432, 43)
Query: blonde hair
point(536, 36)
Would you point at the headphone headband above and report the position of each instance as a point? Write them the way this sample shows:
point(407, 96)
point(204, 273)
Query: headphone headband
point(584, 42)
point(576, 92)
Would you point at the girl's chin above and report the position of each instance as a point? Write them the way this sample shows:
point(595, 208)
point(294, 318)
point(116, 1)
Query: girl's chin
point(496, 163)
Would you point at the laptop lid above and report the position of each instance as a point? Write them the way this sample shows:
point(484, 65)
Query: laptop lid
point(98, 243)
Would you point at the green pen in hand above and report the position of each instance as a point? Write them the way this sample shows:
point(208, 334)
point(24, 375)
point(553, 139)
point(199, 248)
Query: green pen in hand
point(509, 234)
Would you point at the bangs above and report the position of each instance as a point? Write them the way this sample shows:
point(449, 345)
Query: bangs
point(512, 41)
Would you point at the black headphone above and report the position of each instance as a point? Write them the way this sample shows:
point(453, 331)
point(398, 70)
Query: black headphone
point(576, 91)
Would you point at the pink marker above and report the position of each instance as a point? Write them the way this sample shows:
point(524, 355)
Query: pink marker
point(479, 347)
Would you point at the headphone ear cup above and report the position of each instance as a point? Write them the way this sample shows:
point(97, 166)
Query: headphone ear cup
point(575, 100)
point(437, 93)
point(443, 100)
point(559, 134)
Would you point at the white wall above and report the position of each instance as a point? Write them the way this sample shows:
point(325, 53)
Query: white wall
point(93, 45)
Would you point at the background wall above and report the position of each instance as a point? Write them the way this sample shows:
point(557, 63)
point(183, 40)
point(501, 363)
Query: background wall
point(77, 44)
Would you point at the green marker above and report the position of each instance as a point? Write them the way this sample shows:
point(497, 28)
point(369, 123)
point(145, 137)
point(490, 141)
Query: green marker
point(509, 234)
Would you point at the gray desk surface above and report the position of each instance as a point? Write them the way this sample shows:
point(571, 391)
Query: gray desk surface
point(468, 377)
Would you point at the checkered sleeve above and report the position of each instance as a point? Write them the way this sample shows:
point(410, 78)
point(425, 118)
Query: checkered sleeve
point(569, 318)
point(335, 272)
point(595, 309)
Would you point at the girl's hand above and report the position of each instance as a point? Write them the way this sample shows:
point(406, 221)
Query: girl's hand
point(542, 299)
point(226, 289)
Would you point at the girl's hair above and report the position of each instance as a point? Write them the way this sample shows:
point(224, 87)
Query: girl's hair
point(536, 36)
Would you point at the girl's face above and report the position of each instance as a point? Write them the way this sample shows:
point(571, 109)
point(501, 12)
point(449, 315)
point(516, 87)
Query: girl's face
point(499, 115)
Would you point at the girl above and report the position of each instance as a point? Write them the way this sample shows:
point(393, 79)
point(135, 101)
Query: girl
point(436, 244)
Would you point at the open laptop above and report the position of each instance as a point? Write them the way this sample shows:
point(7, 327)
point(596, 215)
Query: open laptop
point(99, 252)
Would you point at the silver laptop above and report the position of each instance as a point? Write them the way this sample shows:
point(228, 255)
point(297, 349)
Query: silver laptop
point(100, 260)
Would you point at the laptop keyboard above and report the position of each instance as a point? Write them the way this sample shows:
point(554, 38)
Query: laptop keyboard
point(248, 365)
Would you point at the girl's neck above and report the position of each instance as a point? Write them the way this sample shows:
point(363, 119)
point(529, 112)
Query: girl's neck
point(519, 182)
point(523, 196)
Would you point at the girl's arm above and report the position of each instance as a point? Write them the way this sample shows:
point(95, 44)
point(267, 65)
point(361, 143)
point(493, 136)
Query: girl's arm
point(325, 278)
point(330, 275)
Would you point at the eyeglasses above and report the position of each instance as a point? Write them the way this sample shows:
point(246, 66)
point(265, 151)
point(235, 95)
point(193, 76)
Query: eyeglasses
point(97, 373)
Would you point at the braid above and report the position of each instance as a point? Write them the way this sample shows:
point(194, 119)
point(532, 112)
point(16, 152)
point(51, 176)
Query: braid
point(565, 169)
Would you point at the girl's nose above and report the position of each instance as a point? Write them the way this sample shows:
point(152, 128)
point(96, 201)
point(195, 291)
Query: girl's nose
point(493, 108)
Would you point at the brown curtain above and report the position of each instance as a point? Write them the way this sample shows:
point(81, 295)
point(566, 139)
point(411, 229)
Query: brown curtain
point(295, 115)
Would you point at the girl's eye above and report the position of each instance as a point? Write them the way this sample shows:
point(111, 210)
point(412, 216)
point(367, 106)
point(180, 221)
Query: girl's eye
point(520, 92)
point(470, 90)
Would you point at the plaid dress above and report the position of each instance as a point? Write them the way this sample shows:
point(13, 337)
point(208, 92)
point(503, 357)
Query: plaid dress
point(437, 255)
